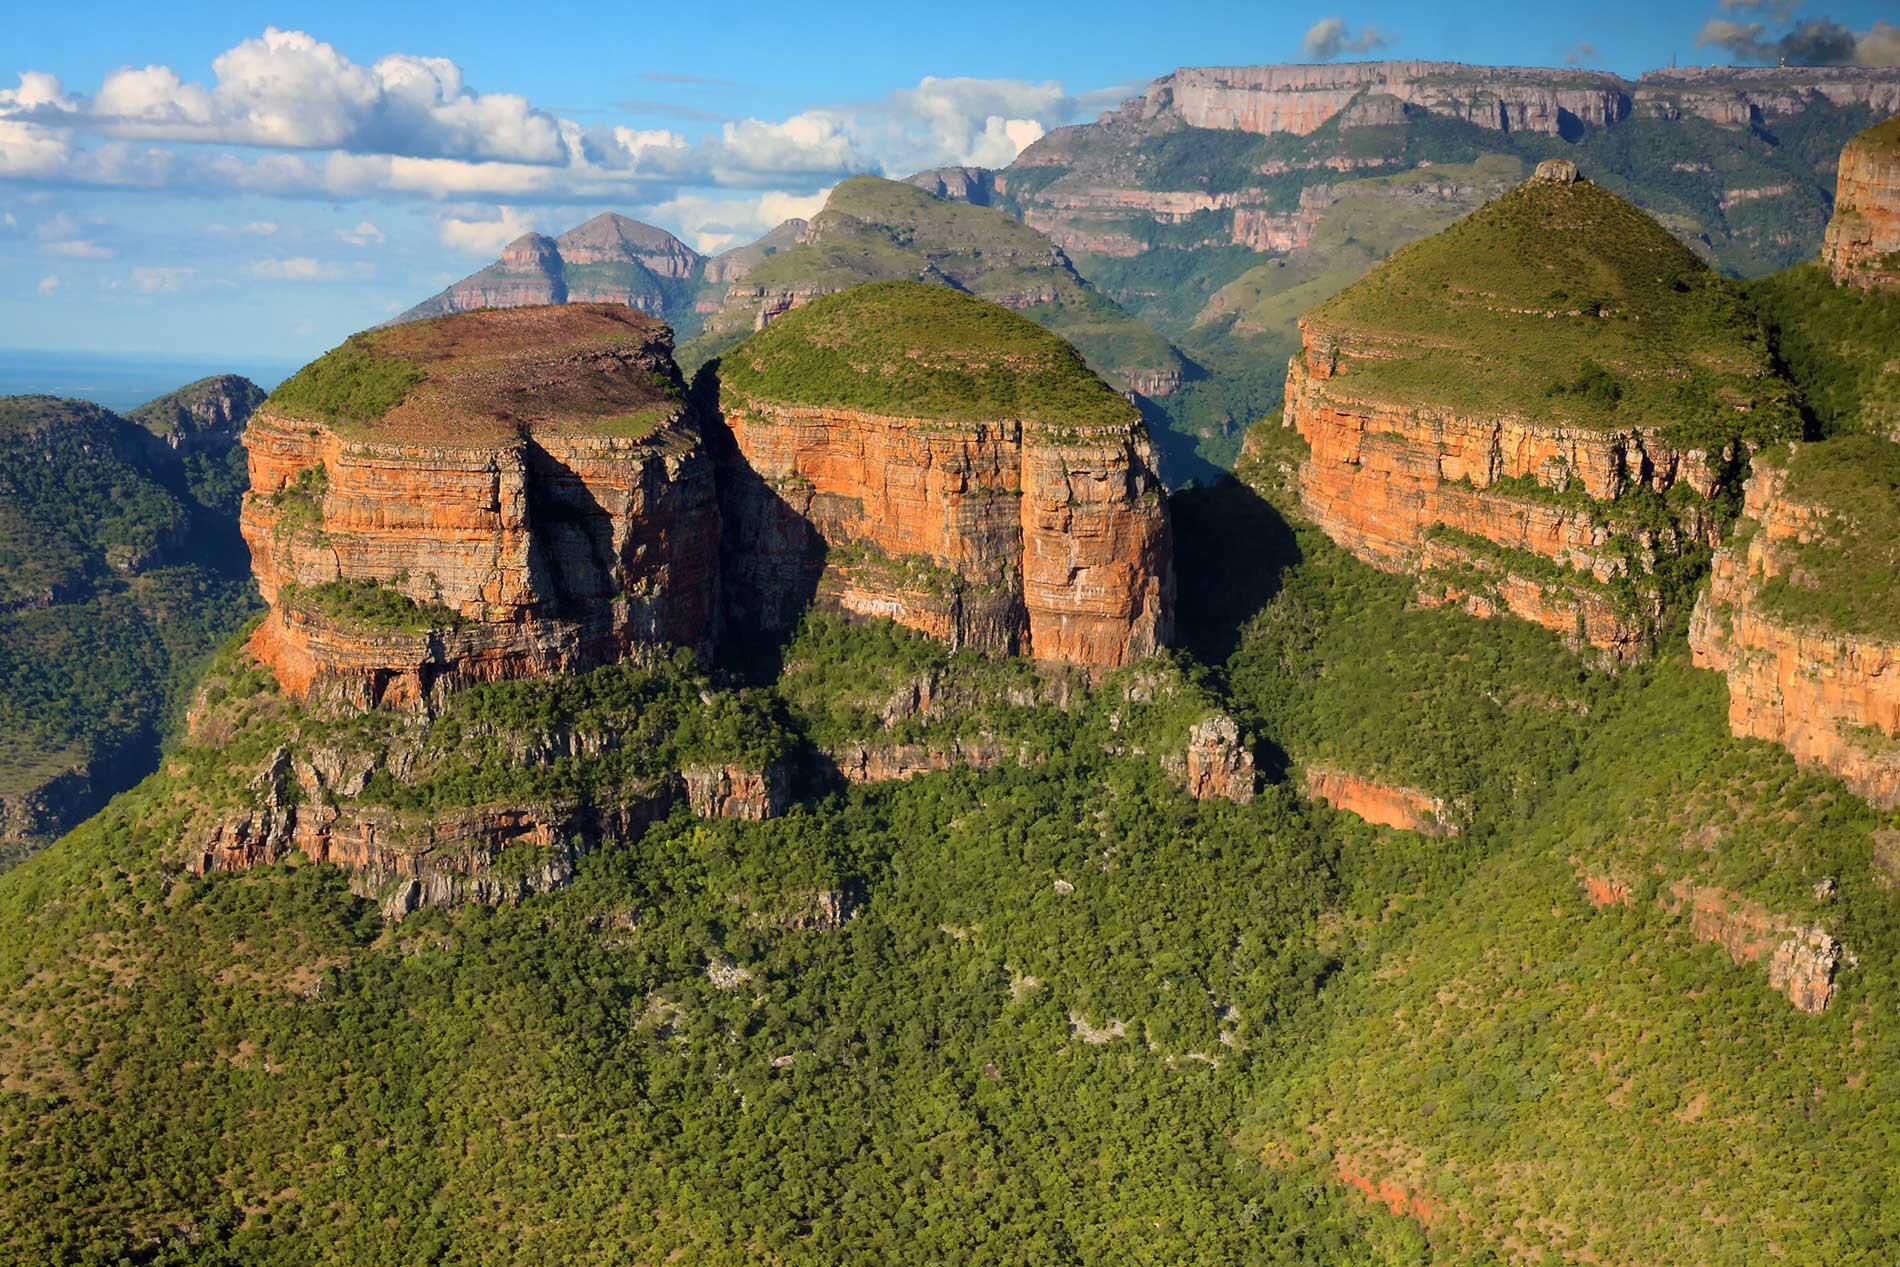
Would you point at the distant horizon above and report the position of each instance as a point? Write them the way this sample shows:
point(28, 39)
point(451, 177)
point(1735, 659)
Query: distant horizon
point(284, 175)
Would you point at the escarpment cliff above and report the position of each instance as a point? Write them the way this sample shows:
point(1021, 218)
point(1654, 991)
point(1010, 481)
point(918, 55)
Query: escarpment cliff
point(907, 451)
point(1533, 410)
point(1800, 615)
point(526, 496)
point(1862, 247)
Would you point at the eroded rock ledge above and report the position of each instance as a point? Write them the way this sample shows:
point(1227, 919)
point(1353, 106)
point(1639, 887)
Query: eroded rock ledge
point(1832, 698)
point(1862, 247)
point(1388, 805)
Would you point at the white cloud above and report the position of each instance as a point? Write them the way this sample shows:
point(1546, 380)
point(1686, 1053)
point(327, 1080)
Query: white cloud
point(287, 115)
point(49, 284)
point(151, 281)
point(484, 237)
point(713, 223)
point(81, 249)
point(296, 268)
point(362, 235)
point(1330, 37)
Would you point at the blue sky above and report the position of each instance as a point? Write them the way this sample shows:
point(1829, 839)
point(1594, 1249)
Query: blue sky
point(175, 180)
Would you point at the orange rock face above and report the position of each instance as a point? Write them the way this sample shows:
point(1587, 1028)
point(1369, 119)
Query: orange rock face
point(1382, 477)
point(1831, 699)
point(1408, 809)
point(999, 536)
point(528, 549)
point(1862, 247)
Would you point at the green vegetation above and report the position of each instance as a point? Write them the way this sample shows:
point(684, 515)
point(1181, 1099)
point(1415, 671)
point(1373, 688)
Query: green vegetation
point(921, 351)
point(1842, 576)
point(119, 572)
point(1565, 302)
point(1839, 345)
point(355, 381)
point(370, 604)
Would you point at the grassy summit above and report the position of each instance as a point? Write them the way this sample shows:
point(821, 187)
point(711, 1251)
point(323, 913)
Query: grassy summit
point(922, 351)
point(481, 377)
point(1562, 301)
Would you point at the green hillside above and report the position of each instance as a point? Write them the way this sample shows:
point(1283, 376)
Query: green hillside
point(120, 569)
point(1563, 301)
point(921, 351)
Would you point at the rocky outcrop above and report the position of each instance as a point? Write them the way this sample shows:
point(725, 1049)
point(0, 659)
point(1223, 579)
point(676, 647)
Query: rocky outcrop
point(1388, 805)
point(1832, 698)
point(876, 761)
point(976, 185)
point(736, 791)
point(1218, 763)
point(1801, 959)
point(529, 272)
point(406, 860)
point(1862, 247)
point(540, 504)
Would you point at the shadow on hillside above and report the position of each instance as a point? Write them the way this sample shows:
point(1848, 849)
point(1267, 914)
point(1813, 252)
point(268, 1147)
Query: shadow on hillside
point(1231, 550)
point(1177, 459)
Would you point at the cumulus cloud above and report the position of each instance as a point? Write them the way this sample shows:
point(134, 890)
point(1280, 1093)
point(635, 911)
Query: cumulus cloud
point(81, 249)
point(287, 115)
point(48, 285)
point(484, 237)
point(1330, 37)
point(1809, 42)
point(364, 234)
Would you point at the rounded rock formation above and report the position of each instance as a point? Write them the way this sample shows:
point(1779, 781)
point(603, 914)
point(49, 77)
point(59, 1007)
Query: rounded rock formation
point(909, 451)
point(495, 494)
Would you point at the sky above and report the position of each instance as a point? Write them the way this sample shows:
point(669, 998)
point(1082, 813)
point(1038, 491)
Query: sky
point(256, 181)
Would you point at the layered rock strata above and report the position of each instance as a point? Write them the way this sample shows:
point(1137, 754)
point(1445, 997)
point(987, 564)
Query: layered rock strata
point(1001, 537)
point(540, 503)
point(1219, 764)
point(1831, 697)
point(1862, 247)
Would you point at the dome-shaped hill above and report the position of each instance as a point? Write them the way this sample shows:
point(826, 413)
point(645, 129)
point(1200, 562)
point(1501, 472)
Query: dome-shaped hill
point(479, 378)
point(1563, 302)
point(921, 351)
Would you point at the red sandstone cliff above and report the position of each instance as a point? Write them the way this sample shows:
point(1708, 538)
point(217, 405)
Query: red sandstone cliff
point(1862, 247)
point(1830, 698)
point(1383, 475)
point(1003, 536)
point(534, 528)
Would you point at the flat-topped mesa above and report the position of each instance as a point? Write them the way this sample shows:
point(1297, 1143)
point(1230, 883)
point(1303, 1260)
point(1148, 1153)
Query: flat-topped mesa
point(910, 451)
point(1862, 247)
point(1802, 616)
point(1531, 409)
point(497, 494)
point(1299, 99)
